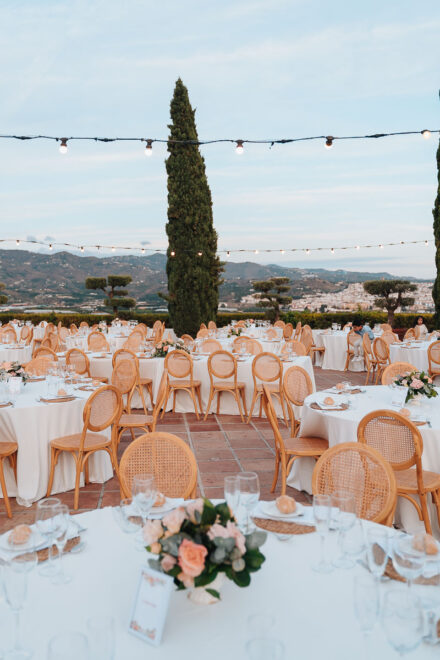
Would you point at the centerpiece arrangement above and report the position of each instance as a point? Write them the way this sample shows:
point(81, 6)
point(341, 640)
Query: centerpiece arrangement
point(163, 347)
point(235, 332)
point(198, 545)
point(14, 370)
point(418, 384)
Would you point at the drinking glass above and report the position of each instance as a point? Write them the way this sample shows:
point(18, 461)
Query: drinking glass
point(366, 602)
point(249, 486)
point(46, 510)
point(407, 561)
point(377, 550)
point(15, 579)
point(68, 646)
point(232, 493)
point(101, 636)
point(321, 512)
point(344, 517)
point(61, 522)
point(260, 624)
point(144, 494)
point(354, 541)
point(126, 516)
point(402, 620)
point(264, 648)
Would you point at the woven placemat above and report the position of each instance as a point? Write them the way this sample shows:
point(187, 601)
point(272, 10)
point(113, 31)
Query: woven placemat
point(282, 527)
point(316, 406)
point(87, 388)
point(391, 572)
point(43, 554)
point(355, 390)
point(61, 399)
point(36, 380)
point(5, 405)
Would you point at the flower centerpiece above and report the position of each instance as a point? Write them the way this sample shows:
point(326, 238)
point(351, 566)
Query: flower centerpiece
point(163, 347)
point(235, 332)
point(200, 544)
point(418, 383)
point(14, 369)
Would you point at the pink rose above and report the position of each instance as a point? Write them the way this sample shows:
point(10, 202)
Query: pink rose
point(165, 348)
point(155, 548)
point(186, 580)
point(231, 531)
point(218, 531)
point(192, 558)
point(416, 384)
point(7, 365)
point(173, 520)
point(193, 507)
point(168, 562)
point(430, 381)
point(152, 531)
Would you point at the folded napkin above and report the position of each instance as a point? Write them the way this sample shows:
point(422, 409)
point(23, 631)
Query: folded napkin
point(316, 406)
point(175, 502)
point(74, 530)
point(59, 399)
point(306, 519)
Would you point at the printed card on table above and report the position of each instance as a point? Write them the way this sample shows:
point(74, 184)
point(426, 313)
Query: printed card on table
point(151, 605)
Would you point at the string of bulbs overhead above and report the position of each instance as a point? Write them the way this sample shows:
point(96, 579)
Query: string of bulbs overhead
point(199, 253)
point(239, 144)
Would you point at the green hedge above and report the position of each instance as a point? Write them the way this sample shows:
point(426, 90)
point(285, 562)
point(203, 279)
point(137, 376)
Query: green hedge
point(317, 320)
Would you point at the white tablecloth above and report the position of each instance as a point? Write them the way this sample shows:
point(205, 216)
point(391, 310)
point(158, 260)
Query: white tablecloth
point(416, 353)
point(153, 368)
point(335, 354)
point(314, 614)
point(340, 427)
point(21, 354)
point(33, 425)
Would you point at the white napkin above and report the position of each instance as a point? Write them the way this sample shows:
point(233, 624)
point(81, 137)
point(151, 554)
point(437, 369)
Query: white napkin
point(74, 530)
point(176, 502)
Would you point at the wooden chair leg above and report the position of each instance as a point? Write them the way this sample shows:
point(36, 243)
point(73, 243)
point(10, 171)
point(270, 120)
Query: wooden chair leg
point(261, 404)
point(218, 401)
point(436, 498)
point(275, 476)
point(243, 398)
point(199, 397)
point(208, 408)
point(167, 396)
point(86, 473)
point(53, 462)
point(174, 399)
point(13, 463)
point(193, 397)
point(79, 463)
point(283, 407)
point(425, 512)
point(237, 399)
point(4, 491)
point(254, 400)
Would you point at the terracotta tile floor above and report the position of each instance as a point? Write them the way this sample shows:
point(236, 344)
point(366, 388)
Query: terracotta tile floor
point(222, 445)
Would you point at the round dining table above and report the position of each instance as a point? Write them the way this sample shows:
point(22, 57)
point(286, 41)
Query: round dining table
point(341, 426)
point(15, 353)
point(413, 352)
point(335, 354)
point(311, 614)
point(32, 424)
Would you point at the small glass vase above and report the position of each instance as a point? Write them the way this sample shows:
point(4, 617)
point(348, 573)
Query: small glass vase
point(200, 596)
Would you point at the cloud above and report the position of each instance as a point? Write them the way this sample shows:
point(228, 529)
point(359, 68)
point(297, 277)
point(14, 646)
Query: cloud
point(31, 238)
point(145, 242)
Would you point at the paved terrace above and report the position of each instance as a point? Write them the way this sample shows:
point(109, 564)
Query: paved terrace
point(223, 446)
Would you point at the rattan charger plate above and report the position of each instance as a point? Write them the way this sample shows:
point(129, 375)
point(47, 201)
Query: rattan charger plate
point(282, 527)
point(391, 572)
point(5, 405)
point(341, 406)
point(43, 554)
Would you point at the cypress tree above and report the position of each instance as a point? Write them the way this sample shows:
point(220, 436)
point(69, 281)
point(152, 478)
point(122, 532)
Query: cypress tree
point(436, 214)
point(193, 267)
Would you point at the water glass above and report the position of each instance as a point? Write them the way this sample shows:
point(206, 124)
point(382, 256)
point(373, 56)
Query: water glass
point(249, 486)
point(232, 493)
point(407, 561)
point(144, 494)
point(343, 517)
point(15, 580)
point(101, 636)
point(126, 515)
point(68, 646)
point(46, 510)
point(260, 624)
point(402, 620)
point(263, 648)
point(366, 602)
point(354, 541)
point(377, 550)
point(321, 512)
point(61, 522)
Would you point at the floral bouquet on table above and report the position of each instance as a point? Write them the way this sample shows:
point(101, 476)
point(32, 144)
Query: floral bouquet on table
point(163, 347)
point(418, 383)
point(13, 369)
point(201, 542)
point(235, 332)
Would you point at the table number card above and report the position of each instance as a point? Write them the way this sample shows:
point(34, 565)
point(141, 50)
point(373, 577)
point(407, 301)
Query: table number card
point(151, 605)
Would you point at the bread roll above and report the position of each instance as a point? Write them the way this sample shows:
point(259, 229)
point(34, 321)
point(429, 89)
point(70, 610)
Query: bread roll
point(160, 499)
point(405, 412)
point(328, 401)
point(285, 504)
point(19, 535)
point(339, 386)
point(61, 392)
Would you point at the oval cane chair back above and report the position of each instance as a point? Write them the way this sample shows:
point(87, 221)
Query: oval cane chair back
point(203, 326)
point(288, 331)
point(63, 333)
point(366, 343)
point(396, 369)
point(211, 346)
point(385, 327)
point(352, 339)
point(297, 385)
point(97, 342)
point(83, 324)
point(389, 337)
point(212, 325)
point(381, 351)
point(157, 325)
point(279, 324)
point(239, 342)
point(167, 457)
point(417, 332)
point(141, 327)
point(240, 324)
point(179, 364)
point(410, 334)
point(80, 361)
point(222, 364)
point(8, 335)
point(362, 471)
point(160, 398)
point(297, 347)
point(73, 329)
point(307, 328)
point(271, 333)
point(273, 421)
point(253, 346)
point(187, 340)
point(307, 340)
point(134, 340)
point(45, 351)
point(26, 334)
point(266, 367)
point(102, 408)
point(297, 334)
point(203, 333)
point(39, 366)
point(125, 354)
point(434, 358)
point(125, 376)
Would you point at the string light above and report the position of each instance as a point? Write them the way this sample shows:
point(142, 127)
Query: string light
point(172, 253)
point(307, 251)
point(82, 248)
point(426, 134)
point(239, 148)
point(113, 249)
point(381, 246)
point(228, 254)
point(199, 254)
point(256, 251)
point(63, 146)
point(332, 250)
point(358, 247)
point(50, 246)
point(149, 148)
point(17, 241)
point(426, 243)
point(143, 250)
point(282, 251)
point(329, 142)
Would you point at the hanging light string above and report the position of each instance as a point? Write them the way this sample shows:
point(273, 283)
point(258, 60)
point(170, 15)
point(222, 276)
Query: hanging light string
point(239, 143)
point(199, 253)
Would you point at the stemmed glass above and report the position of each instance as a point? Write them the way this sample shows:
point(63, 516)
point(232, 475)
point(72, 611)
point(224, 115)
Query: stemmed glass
point(377, 550)
point(15, 577)
point(366, 604)
point(61, 522)
point(249, 487)
point(144, 494)
point(264, 648)
point(402, 620)
point(68, 646)
point(46, 510)
point(124, 516)
point(407, 561)
point(344, 516)
point(321, 512)
point(232, 493)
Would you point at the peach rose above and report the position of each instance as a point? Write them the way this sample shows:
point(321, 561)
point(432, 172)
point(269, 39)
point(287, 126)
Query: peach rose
point(165, 348)
point(186, 580)
point(7, 365)
point(430, 381)
point(173, 520)
point(416, 384)
point(152, 531)
point(155, 548)
point(193, 507)
point(168, 562)
point(192, 558)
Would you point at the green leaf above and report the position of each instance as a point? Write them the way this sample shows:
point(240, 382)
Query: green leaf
point(214, 593)
point(223, 511)
point(254, 559)
point(209, 514)
point(241, 579)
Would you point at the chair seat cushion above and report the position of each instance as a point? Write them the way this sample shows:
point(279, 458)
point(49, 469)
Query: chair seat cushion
point(184, 383)
point(131, 419)
point(308, 445)
point(8, 448)
point(220, 385)
point(407, 480)
point(92, 441)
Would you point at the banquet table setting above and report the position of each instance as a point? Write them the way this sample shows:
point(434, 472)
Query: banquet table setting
point(15, 353)
point(414, 352)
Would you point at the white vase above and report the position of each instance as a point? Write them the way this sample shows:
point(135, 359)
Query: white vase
point(200, 596)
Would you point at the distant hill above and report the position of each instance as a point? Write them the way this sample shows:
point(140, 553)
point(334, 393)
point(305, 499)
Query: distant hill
point(57, 280)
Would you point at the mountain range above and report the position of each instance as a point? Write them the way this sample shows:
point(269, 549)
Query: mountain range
point(57, 280)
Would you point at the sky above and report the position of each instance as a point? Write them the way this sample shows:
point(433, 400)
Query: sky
point(254, 69)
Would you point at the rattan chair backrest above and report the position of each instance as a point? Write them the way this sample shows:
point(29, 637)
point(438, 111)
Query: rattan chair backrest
point(212, 325)
point(394, 436)
point(141, 327)
point(279, 324)
point(79, 360)
point(134, 341)
point(63, 333)
point(73, 329)
point(385, 327)
point(297, 334)
point(239, 342)
point(352, 339)
point(366, 343)
point(296, 346)
point(222, 364)
point(434, 356)
point(39, 366)
point(362, 471)
point(396, 369)
point(187, 339)
point(160, 397)
point(307, 340)
point(203, 326)
point(179, 364)
point(297, 385)
point(288, 331)
point(102, 408)
point(210, 346)
point(125, 354)
point(26, 334)
point(253, 346)
point(157, 325)
point(97, 342)
point(266, 367)
point(125, 376)
point(167, 457)
point(410, 334)
point(45, 351)
point(202, 333)
point(83, 324)
point(271, 333)
point(239, 324)
point(8, 335)
point(388, 337)
point(273, 421)
point(381, 351)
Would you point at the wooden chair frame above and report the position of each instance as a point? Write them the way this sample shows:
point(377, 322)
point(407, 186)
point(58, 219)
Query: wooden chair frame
point(236, 388)
point(291, 401)
point(276, 390)
point(8, 450)
point(193, 387)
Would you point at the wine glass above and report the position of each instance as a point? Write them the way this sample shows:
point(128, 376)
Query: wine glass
point(144, 494)
point(366, 602)
point(249, 487)
point(377, 550)
point(61, 522)
point(232, 493)
point(407, 561)
point(354, 541)
point(68, 646)
point(101, 637)
point(265, 648)
point(15, 580)
point(321, 512)
point(46, 510)
point(402, 620)
point(125, 516)
point(344, 517)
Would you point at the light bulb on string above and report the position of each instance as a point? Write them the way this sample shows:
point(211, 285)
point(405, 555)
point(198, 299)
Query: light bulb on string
point(426, 134)
point(381, 246)
point(149, 148)
point(50, 246)
point(426, 243)
point(307, 251)
point(63, 146)
point(172, 253)
point(17, 241)
point(358, 247)
point(282, 251)
point(113, 249)
point(332, 250)
point(143, 250)
point(256, 251)
point(329, 142)
point(239, 148)
point(199, 254)
point(82, 248)
point(228, 254)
